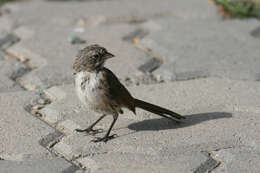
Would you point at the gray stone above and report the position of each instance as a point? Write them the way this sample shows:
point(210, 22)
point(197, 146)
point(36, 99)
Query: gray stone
point(77, 40)
point(2, 55)
point(211, 104)
point(256, 32)
point(139, 163)
point(222, 115)
point(128, 9)
point(7, 85)
point(139, 33)
point(20, 132)
point(150, 65)
point(13, 68)
point(208, 165)
point(53, 71)
point(240, 159)
point(50, 139)
point(7, 41)
point(192, 75)
point(105, 26)
point(56, 165)
point(201, 48)
point(10, 70)
point(6, 24)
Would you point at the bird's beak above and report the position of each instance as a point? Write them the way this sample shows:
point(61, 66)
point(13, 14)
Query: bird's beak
point(109, 55)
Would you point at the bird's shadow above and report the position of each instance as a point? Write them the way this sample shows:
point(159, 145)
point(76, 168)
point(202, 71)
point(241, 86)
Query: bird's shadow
point(164, 124)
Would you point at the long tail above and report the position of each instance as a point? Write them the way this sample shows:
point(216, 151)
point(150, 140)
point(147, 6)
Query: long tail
point(158, 110)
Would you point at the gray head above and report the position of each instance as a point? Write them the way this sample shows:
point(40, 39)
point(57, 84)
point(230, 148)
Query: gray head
point(91, 58)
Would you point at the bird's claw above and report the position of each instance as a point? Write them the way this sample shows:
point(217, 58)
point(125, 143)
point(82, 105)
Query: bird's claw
point(105, 138)
point(90, 131)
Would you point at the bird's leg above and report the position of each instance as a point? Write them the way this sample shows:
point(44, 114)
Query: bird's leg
point(107, 137)
point(90, 129)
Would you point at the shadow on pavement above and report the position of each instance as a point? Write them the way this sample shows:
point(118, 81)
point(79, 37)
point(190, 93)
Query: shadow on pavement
point(164, 124)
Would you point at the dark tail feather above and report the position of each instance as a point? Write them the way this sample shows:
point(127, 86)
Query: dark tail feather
point(158, 110)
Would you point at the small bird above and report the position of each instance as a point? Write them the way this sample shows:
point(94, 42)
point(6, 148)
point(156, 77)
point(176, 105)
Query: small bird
point(101, 91)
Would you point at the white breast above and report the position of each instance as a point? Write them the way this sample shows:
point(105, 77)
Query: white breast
point(91, 95)
point(78, 80)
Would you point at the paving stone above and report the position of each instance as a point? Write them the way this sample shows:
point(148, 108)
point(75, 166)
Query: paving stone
point(240, 159)
point(56, 165)
point(77, 40)
point(68, 126)
point(13, 68)
point(20, 132)
point(256, 32)
point(23, 138)
point(6, 24)
point(56, 71)
point(7, 85)
point(50, 139)
point(222, 114)
point(127, 10)
point(150, 66)
point(140, 33)
point(2, 55)
point(103, 22)
point(208, 165)
point(139, 163)
point(202, 48)
point(10, 70)
point(212, 104)
point(7, 41)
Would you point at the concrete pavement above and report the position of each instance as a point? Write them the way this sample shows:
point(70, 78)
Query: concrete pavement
point(181, 55)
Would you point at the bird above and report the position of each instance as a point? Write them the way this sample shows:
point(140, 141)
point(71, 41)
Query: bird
point(100, 90)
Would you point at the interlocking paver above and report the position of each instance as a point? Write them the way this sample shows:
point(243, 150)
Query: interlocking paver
point(240, 159)
point(212, 104)
point(177, 40)
point(21, 133)
point(52, 51)
point(55, 165)
point(202, 48)
point(10, 70)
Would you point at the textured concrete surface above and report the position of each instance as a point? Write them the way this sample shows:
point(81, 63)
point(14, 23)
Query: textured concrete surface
point(107, 26)
point(241, 159)
point(195, 62)
point(42, 166)
point(212, 106)
point(10, 70)
point(197, 48)
point(21, 135)
point(20, 131)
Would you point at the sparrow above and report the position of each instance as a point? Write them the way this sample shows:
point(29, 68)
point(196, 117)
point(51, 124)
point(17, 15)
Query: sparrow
point(101, 91)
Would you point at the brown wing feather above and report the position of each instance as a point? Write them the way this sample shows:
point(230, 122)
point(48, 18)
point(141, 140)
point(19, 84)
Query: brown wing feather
point(116, 91)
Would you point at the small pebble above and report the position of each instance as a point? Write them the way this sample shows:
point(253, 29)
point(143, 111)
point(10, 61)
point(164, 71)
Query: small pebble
point(81, 21)
point(37, 107)
point(34, 111)
point(79, 29)
point(23, 59)
point(41, 101)
point(77, 40)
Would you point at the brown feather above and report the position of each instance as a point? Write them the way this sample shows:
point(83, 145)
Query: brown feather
point(157, 109)
point(116, 91)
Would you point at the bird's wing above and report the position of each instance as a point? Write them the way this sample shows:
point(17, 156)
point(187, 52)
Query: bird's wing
point(115, 91)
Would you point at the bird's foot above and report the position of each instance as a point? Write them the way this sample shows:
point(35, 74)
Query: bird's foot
point(90, 131)
point(105, 138)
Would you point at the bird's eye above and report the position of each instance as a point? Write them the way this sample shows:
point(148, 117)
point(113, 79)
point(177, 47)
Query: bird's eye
point(96, 56)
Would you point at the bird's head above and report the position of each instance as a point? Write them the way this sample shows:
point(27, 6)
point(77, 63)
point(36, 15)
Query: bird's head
point(91, 58)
